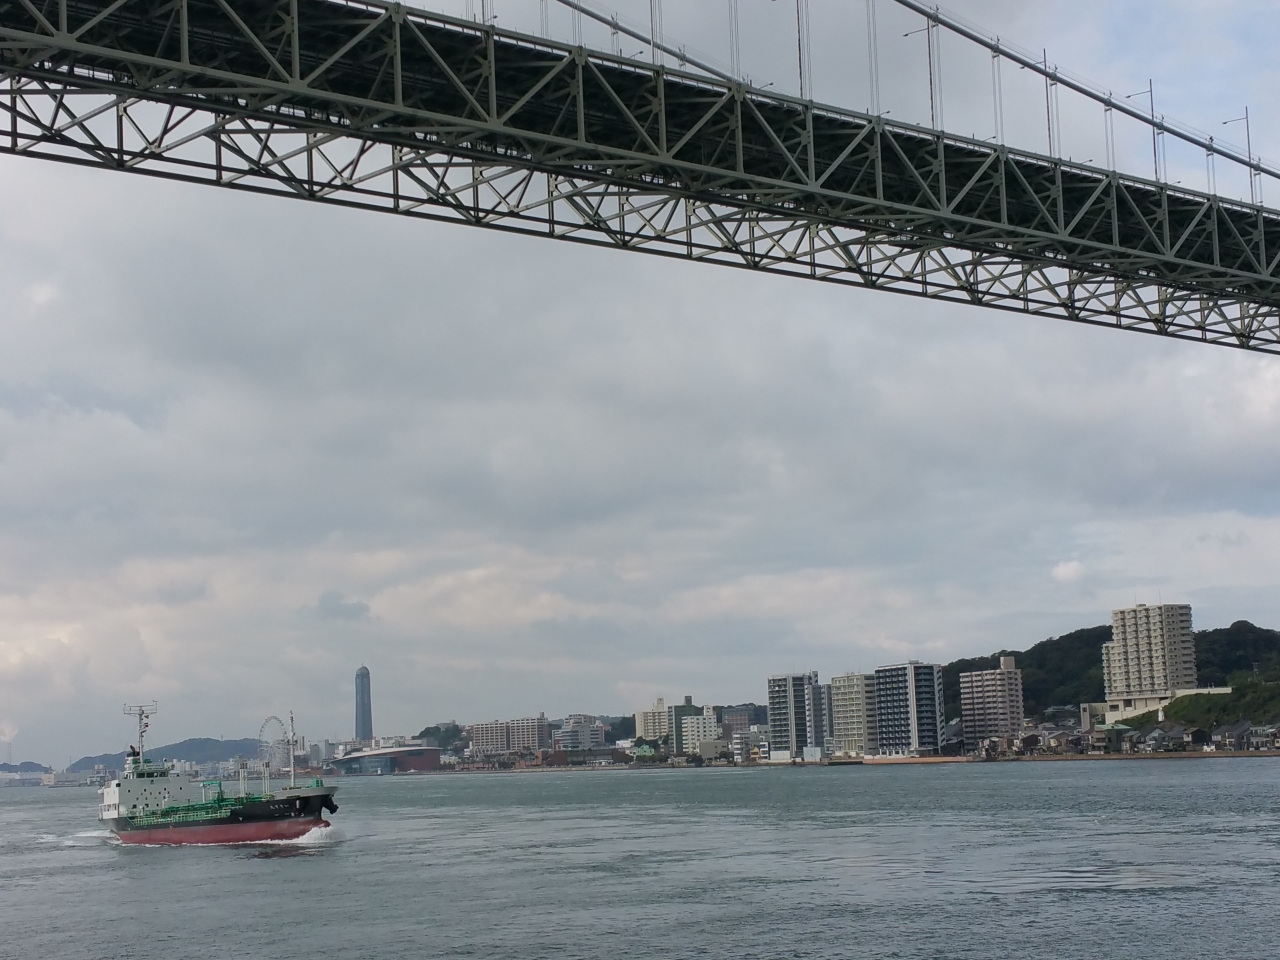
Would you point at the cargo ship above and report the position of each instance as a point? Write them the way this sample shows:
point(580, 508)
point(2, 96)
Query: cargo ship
point(150, 804)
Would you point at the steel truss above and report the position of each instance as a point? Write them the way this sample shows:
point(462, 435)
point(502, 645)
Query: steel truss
point(374, 105)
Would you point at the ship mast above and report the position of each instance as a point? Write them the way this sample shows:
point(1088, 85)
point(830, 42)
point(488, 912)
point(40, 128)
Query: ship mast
point(144, 712)
point(293, 748)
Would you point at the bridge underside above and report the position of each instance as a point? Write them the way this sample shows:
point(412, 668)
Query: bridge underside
point(376, 106)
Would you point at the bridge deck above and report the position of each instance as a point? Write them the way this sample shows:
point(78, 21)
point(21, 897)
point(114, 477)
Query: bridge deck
point(379, 105)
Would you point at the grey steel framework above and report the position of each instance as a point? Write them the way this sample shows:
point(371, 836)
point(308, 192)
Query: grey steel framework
point(376, 105)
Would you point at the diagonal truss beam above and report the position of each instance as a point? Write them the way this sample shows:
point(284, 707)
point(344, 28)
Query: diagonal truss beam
point(370, 104)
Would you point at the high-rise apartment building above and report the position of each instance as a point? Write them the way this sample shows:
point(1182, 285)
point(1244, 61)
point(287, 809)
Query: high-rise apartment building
point(795, 713)
point(652, 724)
point(498, 737)
point(820, 718)
point(909, 718)
point(529, 734)
point(991, 703)
point(1151, 653)
point(675, 726)
point(697, 729)
point(853, 714)
point(364, 706)
point(490, 739)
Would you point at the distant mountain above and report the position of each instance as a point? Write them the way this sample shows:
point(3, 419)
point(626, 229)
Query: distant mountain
point(195, 750)
point(1060, 670)
point(1068, 670)
point(26, 766)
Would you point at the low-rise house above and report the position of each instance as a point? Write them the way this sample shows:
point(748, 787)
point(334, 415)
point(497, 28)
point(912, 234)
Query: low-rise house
point(750, 746)
point(1195, 739)
point(1232, 736)
point(1064, 741)
point(1264, 737)
point(1111, 738)
point(1169, 736)
point(714, 749)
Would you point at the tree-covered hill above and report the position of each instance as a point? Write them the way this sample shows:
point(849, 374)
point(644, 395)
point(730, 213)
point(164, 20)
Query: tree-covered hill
point(1230, 654)
point(195, 750)
point(1068, 670)
point(1060, 670)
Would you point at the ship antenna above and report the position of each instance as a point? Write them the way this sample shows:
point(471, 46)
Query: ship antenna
point(144, 712)
point(293, 748)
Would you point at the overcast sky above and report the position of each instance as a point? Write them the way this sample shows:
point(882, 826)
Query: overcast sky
point(249, 444)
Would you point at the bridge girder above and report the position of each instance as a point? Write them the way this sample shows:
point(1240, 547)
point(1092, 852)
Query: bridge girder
point(375, 105)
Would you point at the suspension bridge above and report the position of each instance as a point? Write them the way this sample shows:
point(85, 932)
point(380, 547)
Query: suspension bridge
point(382, 106)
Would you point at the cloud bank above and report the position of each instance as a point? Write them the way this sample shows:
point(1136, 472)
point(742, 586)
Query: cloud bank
point(247, 445)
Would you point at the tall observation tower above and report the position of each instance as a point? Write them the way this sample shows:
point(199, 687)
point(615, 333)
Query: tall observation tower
point(364, 706)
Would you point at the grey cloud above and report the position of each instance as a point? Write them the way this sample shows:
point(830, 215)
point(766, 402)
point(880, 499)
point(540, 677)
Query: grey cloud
point(583, 475)
point(332, 606)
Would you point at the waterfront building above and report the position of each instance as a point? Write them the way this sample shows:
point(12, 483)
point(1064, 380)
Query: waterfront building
point(490, 739)
point(991, 703)
point(364, 706)
point(750, 746)
point(675, 719)
point(821, 730)
point(853, 714)
point(697, 729)
point(529, 734)
point(498, 737)
point(579, 732)
point(795, 713)
point(909, 718)
point(1151, 653)
point(652, 724)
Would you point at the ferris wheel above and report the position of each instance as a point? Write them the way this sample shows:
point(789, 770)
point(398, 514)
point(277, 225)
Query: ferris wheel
point(274, 748)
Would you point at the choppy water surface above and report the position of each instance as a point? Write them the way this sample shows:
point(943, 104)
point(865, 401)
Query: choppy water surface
point(1129, 860)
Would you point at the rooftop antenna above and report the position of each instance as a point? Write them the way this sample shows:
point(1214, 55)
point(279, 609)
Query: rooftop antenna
point(144, 712)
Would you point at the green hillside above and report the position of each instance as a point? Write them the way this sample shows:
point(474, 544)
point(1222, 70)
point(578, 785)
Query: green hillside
point(1229, 655)
point(1068, 670)
point(1255, 700)
point(1060, 670)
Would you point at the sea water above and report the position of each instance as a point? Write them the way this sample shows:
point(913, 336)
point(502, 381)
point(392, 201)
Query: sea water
point(1127, 860)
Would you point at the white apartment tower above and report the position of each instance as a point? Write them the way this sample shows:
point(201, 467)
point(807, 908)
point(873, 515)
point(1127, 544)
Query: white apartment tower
point(652, 724)
point(1151, 653)
point(853, 714)
point(696, 730)
point(991, 703)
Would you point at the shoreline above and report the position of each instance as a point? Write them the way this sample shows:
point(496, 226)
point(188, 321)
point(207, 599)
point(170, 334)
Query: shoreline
point(876, 762)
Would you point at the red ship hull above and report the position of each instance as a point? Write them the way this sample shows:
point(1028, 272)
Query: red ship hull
point(252, 832)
